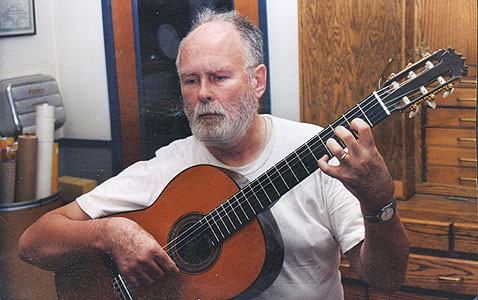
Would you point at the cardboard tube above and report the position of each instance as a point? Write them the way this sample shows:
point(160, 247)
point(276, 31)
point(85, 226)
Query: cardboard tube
point(54, 178)
point(7, 181)
point(26, 168)
point(45, 131)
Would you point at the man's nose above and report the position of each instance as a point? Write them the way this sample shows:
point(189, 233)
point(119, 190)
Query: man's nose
point(205, 93)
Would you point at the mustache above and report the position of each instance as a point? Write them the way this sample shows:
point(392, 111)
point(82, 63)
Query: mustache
point(209, 108)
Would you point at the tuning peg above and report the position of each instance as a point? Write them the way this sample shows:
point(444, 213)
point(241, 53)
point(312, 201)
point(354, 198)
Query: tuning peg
point(448, 92)
point(413, 111)
point(432, 103)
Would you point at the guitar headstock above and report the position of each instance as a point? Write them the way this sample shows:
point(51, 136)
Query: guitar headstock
point(423, 80)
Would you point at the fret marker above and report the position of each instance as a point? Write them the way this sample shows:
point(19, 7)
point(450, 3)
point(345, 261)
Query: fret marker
point(381, 102)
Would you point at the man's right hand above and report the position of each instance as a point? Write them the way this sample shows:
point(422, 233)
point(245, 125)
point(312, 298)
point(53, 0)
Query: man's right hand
point(137, 254)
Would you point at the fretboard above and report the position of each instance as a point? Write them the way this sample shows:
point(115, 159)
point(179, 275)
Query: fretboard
point(261, 193)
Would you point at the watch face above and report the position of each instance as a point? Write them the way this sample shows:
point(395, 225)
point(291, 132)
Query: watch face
point(387, 214)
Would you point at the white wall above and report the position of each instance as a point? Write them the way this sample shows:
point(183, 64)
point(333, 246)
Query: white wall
point(282, 23)
point(69, 46)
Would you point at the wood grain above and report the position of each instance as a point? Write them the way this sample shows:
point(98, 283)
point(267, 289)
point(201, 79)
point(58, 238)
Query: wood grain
point(451, 137)
point(428, 234)
point(374, 295)
point(448, 23)
point(248, 8)
point(122, 15)
point(344, 47)
point(451, 117)
point(465, 237)
point(444, 274)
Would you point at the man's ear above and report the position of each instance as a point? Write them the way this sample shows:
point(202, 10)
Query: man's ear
point(259, 80)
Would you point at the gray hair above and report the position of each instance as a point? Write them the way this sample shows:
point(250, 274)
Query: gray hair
point(250, 34)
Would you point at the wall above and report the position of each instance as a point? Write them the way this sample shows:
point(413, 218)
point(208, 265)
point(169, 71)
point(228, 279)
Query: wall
point(69, 46)
point(282, 23)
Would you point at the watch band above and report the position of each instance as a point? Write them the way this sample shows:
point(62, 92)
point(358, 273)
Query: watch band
point(384, 214)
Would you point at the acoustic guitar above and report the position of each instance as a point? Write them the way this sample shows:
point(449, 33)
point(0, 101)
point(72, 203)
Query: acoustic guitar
point(223, 238)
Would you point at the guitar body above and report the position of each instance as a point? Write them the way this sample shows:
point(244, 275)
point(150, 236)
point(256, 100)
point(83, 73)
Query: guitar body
point(242, 266)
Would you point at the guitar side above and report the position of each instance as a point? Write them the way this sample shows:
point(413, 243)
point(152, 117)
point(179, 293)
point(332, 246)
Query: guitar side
point(247, 262)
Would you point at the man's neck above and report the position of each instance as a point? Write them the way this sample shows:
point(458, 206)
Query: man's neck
point(247, 149)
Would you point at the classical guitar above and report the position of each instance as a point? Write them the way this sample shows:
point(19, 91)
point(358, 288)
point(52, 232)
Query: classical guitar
point(222, 237)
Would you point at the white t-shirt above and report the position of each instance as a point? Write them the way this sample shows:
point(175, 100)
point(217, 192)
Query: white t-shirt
point(316, 218)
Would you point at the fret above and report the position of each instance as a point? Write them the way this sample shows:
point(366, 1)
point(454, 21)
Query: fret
point(242, 208)
point(283, 177)
point(210, 227)
point(325, 147)
point(278, 194)
point(348, 127)
point(234, 211)
point(215, 223)
point(257, 198)
point(230, 220)
point(363, 113)
point(308, 148)
point(291, 171)
point(264, 190)
point(222, 220)
point(252, 208)
point(307, 170)
point(218, 220)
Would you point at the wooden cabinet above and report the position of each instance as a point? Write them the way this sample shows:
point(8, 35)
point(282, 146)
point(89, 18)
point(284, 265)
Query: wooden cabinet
point(444, 259)
point(449, 165)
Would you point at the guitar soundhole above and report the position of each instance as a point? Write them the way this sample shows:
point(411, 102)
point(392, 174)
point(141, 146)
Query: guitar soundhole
point(191, 245)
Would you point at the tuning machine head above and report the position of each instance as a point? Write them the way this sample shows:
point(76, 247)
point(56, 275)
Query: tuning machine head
point(413, 111)
point(449, 90)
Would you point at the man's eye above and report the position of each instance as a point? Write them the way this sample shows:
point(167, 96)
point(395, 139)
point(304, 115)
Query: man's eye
point(190, 81)
point(219, 78)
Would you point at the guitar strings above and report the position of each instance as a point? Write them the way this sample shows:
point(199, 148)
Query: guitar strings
point(242, 199)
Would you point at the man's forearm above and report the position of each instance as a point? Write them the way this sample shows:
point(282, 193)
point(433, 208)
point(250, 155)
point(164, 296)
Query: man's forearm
point(384, 255)
point(54, 241)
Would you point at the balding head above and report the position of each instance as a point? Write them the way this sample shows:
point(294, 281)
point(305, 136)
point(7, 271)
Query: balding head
point(251, 38)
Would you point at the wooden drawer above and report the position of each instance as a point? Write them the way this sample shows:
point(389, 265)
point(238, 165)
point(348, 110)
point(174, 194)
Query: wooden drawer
point(346, 269)
point(450, 156)
point(444, 274)
point(451, 117)
point(465, 238)
point(428, 234)
point(465, 138)
point(464, 97)
point(354, 291)
point(452, 175)
point(373, 295)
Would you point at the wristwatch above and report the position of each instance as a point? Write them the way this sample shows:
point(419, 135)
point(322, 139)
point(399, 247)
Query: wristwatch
point(385, 213)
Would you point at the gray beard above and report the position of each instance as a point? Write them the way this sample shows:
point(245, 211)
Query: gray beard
point(235, 122)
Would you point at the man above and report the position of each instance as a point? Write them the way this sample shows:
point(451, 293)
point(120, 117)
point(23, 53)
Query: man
point(222, 77)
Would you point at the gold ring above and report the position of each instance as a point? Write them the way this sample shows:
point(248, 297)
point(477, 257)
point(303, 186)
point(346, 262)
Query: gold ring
point(343, 156)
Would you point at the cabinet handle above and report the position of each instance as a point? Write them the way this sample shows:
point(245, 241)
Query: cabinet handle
point(468, 81)
point(450, 278)
point(466, 159)
point(466, 179)
point(467, 120)
point(460, 139)
point(466, 99)
point(344, 265)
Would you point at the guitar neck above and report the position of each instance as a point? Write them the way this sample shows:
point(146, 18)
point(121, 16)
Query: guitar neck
point(258, 195)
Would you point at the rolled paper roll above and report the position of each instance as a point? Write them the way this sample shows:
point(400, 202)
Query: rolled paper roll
point(7, 181)
point(45, 131)
point(25, 185)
